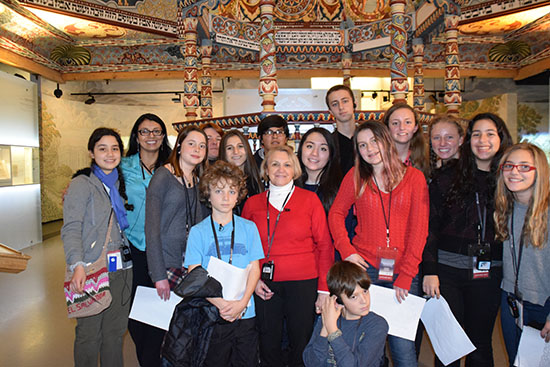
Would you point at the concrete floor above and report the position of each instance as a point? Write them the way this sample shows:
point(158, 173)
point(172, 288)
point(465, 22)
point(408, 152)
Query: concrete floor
point(35, 330)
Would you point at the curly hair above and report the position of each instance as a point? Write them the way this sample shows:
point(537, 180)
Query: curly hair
point(464, 183)
point(536, 219)
point(221, 172)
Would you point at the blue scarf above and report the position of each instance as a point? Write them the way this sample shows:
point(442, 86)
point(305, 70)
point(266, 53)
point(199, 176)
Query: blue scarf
point(110, 181)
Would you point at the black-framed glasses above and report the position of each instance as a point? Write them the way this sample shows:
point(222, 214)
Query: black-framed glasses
point(274, 132)
point(520, 167)
point(147, 132)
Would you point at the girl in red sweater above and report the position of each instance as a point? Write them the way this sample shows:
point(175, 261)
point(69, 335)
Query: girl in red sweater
point(392, 207)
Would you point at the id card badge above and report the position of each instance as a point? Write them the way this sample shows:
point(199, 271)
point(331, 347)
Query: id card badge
point(387, 257)
point(519, 320)
point(268, 270)
point(114, 261)
point(480, 257)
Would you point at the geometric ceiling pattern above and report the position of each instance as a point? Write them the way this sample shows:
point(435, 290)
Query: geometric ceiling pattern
point(77, 39)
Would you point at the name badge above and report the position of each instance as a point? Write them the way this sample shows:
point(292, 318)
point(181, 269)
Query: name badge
point(387, 257)
point(114, 261)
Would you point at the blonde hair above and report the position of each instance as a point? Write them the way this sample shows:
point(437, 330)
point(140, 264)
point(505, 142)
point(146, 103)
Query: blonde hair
point(281, 148)
point(535, 229)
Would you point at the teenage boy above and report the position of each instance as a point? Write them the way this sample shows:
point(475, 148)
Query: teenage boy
point(347, 333)
point(236, 241)
point(272, 131)
point(341, 103)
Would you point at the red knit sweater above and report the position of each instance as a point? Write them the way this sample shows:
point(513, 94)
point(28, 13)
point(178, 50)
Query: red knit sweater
point(302, 247)
point(408, 222)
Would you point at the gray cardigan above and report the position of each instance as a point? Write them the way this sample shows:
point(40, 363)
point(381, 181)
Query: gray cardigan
point(165, 219)
point(534, 277)
point(86, 210)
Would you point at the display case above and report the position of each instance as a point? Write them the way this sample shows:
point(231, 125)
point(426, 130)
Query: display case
point(18, 165)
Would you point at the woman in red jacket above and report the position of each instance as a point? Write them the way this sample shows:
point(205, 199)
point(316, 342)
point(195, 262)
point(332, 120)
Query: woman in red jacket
point(392, 207)
point(298, 254)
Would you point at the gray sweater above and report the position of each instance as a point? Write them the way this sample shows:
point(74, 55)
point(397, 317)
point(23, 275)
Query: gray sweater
point(534, 277)
point(166, 215)
point(86, 210)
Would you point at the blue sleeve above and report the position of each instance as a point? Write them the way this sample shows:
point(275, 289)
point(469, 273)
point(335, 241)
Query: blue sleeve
point(195, 247)
point(372, 339)
point(316, 352)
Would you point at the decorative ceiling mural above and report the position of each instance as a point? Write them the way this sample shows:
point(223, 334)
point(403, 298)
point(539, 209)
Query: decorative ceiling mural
point(504, 24)
point(77, 36)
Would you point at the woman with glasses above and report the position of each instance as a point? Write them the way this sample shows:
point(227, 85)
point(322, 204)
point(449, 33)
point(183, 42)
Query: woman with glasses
point(521, 222)
point(462, 260)
point(148, 150)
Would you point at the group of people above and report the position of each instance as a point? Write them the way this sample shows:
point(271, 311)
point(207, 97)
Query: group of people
point(470, 225)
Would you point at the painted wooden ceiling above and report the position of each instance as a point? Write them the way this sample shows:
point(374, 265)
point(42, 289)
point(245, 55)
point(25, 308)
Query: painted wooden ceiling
point(77, 39)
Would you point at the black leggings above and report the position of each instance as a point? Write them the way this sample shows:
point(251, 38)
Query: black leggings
point(293, 301)
point(475, 305)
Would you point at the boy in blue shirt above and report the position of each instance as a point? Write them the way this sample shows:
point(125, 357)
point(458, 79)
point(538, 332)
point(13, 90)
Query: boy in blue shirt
point(347, 333)
point(236, 241)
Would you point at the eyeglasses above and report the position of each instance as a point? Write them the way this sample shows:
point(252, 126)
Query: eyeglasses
point(520, 167)
point(274, 132)
point(147, 132)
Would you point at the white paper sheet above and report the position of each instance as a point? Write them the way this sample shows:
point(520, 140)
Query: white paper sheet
point(401, 317)
point(533, 351)
point(150, 309)
point(232, 278)
point(448, 339)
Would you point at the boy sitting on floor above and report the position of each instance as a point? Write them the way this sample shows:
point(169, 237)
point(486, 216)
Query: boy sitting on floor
point(347, 333)
point(236, 241)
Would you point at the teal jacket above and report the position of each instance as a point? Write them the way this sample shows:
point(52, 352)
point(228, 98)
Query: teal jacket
point(137, 180)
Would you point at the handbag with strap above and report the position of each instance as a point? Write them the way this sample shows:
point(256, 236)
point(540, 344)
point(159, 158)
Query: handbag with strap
point(97, 293)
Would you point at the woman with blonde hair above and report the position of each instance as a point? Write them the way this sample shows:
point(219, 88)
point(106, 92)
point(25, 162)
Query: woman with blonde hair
point(298, 254)
point(522, 222)
point(391, 201)
point(446, 136)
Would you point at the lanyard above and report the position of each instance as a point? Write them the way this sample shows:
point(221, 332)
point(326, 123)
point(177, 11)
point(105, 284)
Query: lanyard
point(232, 239)
point(355, 334)
point(190, 213)
point(516, 262)
point(386, 220)
point(270, 236)
point(481, 226)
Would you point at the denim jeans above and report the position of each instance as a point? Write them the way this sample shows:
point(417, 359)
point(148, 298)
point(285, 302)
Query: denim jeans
point(403, 352)
point(510, 331)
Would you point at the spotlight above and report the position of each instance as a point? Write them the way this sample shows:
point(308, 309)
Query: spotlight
point(386, 98)
point(90, 100)
point(57, 92)
point(177, 99)
point(374, 95)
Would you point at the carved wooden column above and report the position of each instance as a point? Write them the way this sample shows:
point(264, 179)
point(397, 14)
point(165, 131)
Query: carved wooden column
point(268, 88)
point(418, 88)
point(452, 99)
point(190, 88)
point(346, 69)
point(398, 67)
point(206, 79)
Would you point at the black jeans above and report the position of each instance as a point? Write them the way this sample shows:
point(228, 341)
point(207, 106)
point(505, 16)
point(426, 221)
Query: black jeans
point(475, 305)
point(233, 344)
point(293, 301)
point(148, 339)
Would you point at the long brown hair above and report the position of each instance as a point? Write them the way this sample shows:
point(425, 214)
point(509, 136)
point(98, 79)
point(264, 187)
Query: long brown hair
point(250, 168)
point(174, 157)
point(394, 169)
point(535, 229)
point(419, 157)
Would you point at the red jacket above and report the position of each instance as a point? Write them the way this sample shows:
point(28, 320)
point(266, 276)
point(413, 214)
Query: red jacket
point(302, 247)
point(408, 222)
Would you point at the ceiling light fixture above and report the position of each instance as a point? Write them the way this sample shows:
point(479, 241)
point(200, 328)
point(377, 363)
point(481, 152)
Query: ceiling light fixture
point(57, 92)
point(374, 95)
point(90, 100)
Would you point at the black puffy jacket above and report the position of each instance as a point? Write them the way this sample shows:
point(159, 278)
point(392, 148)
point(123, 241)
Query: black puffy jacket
point(187, 340)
